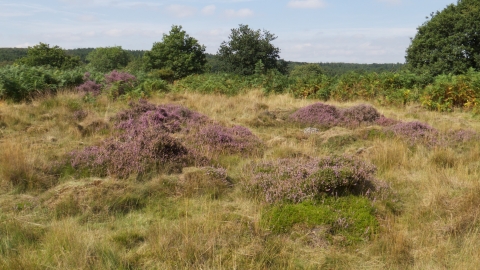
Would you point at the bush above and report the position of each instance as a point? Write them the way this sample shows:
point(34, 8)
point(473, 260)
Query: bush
point(236, 139)
point(21, 83)
point(449, 92)
point(415, 132)
point(119, 83)
point(354, 116)
point(317, 114)
point(143, 143)
point(297, 180)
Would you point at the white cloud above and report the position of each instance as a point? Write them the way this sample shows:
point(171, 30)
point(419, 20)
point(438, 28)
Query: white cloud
point(209, 10)
point(358, 45)
point(306, 4)
point(181, 11)
point(241, 13)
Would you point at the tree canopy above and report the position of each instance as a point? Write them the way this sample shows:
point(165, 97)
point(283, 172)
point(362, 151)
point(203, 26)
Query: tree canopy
point(246, 48)
point(177, 52)
point(108, 58)
point(449, 42)
point(44, 55)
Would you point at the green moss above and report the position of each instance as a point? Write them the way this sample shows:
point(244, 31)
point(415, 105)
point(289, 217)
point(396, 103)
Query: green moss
point(351, 217)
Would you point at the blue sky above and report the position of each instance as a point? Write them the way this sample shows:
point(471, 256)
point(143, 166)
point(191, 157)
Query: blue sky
point(353, 31)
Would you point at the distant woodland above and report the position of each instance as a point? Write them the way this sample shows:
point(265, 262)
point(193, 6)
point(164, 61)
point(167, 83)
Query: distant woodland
point(9, 55)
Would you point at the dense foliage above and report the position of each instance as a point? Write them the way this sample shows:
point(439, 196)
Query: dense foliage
point(449, 42)
point(44, 55)
point(108, 58)
point(248, 49)
point(177, 52)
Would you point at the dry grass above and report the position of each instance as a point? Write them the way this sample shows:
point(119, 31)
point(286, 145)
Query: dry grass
point(52, 218)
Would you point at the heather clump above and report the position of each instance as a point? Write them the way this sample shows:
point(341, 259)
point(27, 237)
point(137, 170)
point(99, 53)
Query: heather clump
point(237, 139)
point(124, 155)
point(354, 116)
point(297, 180)
point(164, 115)
point(317, 114)
point(143, 142)
point(463, 135)
point(90, 87)
point(415, 132)
point(119, 83)
point(155, 138)
point(327, 116)
point(385, 121)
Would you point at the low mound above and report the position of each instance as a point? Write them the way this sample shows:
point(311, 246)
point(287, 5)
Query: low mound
point(297, 180)
point(164, 138)
point(327, 116)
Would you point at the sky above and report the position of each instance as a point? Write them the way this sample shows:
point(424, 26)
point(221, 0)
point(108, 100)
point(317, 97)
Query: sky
point(350, 31)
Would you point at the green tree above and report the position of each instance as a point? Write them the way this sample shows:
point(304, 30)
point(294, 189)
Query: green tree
point(177, 52)
point(449, 42)
point(108, 58)
point(246, 48)
point(44, 55)
point(307, 70)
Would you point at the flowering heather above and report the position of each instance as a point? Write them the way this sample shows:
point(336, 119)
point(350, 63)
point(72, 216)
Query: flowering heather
point(297, 180)
point(236, 139)
point(90, 87)
point(116, 76)
point(385, 122)
point(145, 141)
point(326, 116)
point(357, 115)
point(317, 114)
point(415, 132)
point(462, 136)
point(124, 155)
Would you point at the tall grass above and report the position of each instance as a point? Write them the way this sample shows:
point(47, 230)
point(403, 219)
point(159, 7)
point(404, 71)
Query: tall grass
point(424, 216)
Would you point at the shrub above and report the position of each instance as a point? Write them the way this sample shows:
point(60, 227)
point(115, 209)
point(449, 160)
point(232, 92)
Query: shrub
point(139, 150)
point(119, 83)
point(449, 92)
point(357, 115)
point(143, 143)
point(415, 132)
point(297, 180)
point(90, 87)
point(317, 114)
point(236, 139)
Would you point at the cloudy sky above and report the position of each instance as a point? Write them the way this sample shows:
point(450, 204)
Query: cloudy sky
point(353, 31)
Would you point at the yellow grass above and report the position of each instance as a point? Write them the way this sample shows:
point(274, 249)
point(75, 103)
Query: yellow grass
point(431, 220)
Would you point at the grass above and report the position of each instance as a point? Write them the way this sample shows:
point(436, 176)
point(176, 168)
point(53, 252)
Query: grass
point(425, 215)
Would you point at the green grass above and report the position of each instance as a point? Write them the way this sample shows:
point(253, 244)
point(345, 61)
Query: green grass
point(351, 217)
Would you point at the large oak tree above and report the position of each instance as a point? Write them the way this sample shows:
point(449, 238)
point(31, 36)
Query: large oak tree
point(449, 42)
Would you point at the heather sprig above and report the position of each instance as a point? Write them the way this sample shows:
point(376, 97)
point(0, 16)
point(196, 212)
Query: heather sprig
point(297, 180)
